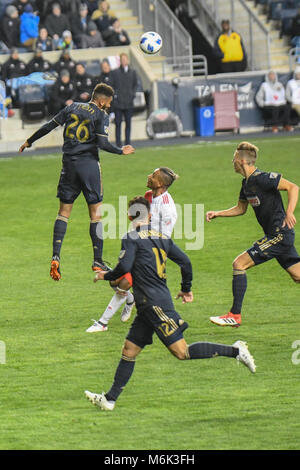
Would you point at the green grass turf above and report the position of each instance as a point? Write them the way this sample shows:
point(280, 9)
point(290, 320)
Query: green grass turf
point(168, 404)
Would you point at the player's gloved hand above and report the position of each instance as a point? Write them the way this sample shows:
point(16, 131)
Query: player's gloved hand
point(24, 146)
point(186, 296)
point(127, 149)
point(210, 215)
point(99, 276)
point(290, 220)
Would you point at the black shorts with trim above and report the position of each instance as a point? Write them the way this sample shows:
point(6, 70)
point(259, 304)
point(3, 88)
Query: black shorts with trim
point(80, 174)
point(168, 325)
point(279, 246)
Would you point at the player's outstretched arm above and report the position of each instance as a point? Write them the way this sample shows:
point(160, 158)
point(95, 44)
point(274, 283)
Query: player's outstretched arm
point(239, 209)
point(44, 130)
point(293, 192)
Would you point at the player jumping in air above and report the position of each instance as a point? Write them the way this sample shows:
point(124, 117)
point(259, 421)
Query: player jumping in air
point(86, 129)
point(262, 191)
point(163, 218)
point(144, 253)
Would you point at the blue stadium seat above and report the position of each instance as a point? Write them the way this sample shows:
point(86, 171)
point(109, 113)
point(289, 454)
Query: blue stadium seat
point(32, 102)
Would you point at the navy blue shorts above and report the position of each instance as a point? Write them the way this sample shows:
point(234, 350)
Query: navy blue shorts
point(80, 174)
point(168, 325)
point(280, 246)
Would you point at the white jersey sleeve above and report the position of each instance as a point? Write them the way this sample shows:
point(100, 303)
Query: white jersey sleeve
point(164, 214)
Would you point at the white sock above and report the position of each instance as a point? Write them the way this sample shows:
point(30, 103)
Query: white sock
point(129, 298)
point(114, 305)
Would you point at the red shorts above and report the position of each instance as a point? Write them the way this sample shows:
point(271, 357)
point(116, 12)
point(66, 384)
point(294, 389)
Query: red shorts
point(128, 277)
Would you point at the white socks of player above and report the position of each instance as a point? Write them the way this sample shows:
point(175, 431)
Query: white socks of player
point(114, 305)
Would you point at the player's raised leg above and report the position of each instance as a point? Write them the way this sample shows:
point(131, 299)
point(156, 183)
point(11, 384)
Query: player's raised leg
point(59, 231)
point(204, 350)
point(239, 287)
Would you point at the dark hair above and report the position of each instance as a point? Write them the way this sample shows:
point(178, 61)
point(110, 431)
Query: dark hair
point(134, 207)
point(168, 175)
point(102, 89)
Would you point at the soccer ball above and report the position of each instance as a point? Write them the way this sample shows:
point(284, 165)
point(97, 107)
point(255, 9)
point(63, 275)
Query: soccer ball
point(150, 42)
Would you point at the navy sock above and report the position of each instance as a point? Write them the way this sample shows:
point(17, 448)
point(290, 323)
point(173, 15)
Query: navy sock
point(122, 375)
point(239, 287)
point(60, 228)
point(96, 234)
point(202, 350)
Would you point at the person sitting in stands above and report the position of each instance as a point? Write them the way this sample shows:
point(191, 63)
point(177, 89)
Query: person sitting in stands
point(44, 42)
point(103, 17)
point(38, 63)
point(29, 26)
point(116, 35)
point(272, 101)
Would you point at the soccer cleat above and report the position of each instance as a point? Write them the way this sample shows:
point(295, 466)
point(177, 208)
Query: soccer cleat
point(100, 266)
point(97, 326)
point(227, 320)
point(54, 269)
point(100, 400)
point(244, 355)
point(126, 312)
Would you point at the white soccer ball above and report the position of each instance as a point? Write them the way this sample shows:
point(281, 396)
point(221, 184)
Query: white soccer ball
point(151, 42)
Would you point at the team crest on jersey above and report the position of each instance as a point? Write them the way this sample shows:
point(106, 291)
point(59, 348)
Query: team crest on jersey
point(106, 130)
point(254, 201)
point(273, 175)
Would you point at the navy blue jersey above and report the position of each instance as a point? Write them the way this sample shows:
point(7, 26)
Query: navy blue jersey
point(84, 124)
point(144, 253)
point(260, 190)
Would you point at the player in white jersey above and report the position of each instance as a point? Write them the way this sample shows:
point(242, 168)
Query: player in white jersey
point(163, 218)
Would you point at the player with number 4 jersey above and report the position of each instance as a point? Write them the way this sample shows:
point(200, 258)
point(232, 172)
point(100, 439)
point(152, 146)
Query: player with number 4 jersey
point(85, 130)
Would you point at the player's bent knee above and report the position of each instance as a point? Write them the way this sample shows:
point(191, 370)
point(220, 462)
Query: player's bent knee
point(124, 284)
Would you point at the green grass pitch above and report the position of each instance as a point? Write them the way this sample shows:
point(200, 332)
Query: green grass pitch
point(168, 404)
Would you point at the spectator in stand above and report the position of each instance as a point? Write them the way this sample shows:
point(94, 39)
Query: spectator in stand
point(65, 62)
point(56, 23)
point(94, 38)
point(11, 27)
point(79, 24)
point(125, 85)
point(44, 42)
point(103, 17)
point(229, 50)
point(295, 30)
point(106, 73)
point(293, 91)
point(66, 42)
point(21, 4)
point(29, 26)
point(63, 92)
point(115, 35)
point(38, 63)
point(272, 101)
point(92, 6)
point(84, 84)
point(14, 67)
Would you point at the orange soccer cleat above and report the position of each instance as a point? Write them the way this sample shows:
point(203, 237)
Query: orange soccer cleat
point(227, 320)
point(54, 269)
point(100, 266)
